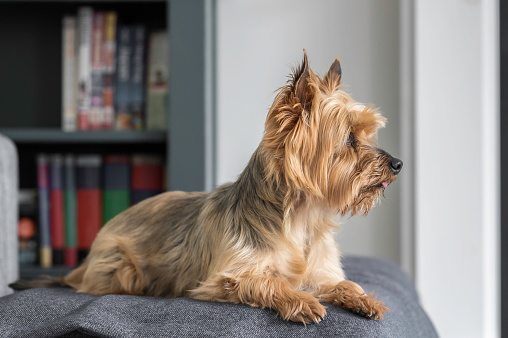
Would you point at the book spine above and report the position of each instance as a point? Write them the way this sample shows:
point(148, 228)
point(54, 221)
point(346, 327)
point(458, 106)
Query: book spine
point(116, 193)
point(123, 70)
point(146, 177)
point(89, 205)
point(56, 209)
point(97, 63)
point(157, 87)
point(44, 227)
point(84, 67)
point(71, 252)
point(69, 102)
point(109, 69)
point(137, 81)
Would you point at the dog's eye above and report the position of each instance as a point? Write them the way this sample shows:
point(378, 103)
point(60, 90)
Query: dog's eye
point(351, 140)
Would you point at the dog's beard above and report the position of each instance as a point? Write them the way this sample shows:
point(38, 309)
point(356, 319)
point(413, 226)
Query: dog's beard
point(366, 200)
point(366, 196)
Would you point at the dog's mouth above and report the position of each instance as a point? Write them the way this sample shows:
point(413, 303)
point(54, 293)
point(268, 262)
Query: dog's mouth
point(384, 184)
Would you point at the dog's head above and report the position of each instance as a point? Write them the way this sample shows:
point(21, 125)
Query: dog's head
point(322, 143)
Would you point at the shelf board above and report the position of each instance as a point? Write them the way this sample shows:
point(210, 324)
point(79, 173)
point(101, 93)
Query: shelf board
point(31, 271)
point(48, 135)
point(87, 2)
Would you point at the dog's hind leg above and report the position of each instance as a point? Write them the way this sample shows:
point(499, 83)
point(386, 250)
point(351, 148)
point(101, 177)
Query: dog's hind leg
point(112, 267)
point(262, 291)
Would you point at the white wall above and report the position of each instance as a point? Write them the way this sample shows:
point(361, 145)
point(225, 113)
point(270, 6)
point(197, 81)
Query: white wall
point(258, 41)
point(457, 176)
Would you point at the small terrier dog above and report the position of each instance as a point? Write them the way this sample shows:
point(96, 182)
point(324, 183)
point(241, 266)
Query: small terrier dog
point(265, 240)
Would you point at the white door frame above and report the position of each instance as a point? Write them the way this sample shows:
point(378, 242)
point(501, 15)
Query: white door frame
point(457, 171)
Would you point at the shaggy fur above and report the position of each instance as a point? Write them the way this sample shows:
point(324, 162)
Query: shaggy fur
point(266, 239)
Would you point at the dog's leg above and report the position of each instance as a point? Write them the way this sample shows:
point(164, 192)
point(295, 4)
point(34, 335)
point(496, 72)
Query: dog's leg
point(325, 275)
point(350, 296)
point(112, 267)
point(262, 291)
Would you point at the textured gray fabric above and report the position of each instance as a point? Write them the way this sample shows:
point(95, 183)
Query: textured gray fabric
point(8, 214)
point(58, 312)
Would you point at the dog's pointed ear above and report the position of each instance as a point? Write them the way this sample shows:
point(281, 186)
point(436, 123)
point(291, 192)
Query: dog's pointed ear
point(335, 71)
point(301, 88)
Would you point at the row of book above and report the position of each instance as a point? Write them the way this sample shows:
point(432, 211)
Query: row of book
point(114, 76)
point(76, 195)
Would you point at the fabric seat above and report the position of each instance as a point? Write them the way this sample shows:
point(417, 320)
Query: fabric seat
point(54, 312)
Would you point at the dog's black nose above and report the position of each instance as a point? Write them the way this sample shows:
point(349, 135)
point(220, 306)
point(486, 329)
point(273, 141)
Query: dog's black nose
point(396, 165)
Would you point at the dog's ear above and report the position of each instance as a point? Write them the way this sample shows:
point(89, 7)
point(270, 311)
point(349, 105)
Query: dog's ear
point(301, 88)
point(335, 72)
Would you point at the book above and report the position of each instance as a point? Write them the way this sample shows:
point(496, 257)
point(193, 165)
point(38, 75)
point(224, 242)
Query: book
point(146, 177)
point(89, 201)
point(137, 78)
point(109, 70)
point(84, 66)
point(123, 75)
point(116, 194)
point(71, 251)
point(56, 209)
point(45, 253)
point(157, 86)
point(97, 56)
point(69, 103)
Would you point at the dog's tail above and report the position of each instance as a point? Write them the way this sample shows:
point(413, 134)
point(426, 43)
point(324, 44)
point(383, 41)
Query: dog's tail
point(40, 282)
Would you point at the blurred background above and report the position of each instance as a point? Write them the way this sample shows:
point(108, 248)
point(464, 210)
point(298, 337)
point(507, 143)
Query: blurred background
point(210, 70)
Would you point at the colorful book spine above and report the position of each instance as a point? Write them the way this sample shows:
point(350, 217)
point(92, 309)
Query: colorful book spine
point(69, 102)
point(146, 177)
point(84, 66)
point(89, 201)
point(137, 81)
point(71, 251)
point(97, 56)
point(44, 227)
point(123, 75)
point(109, 70)
point(116, 195)
point(157, 86)
point(56, 209)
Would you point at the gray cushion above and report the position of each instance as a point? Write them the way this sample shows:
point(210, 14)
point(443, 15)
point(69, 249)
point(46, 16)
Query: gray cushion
point(53, 312)
point(8, 214)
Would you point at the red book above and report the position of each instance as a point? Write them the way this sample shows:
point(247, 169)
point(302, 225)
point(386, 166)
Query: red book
point(147, 177)
point(89, 200)
point(56, 209)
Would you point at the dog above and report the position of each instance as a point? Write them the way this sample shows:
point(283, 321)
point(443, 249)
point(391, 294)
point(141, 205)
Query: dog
point(266, 240)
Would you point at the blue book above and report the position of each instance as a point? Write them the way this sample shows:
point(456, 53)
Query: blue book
point(44, 226)
point(123, 78)
point(137, 80)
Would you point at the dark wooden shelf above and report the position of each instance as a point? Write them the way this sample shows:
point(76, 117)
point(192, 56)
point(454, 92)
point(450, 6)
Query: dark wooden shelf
point(31, 271)
point(86, 2)
point(48, 135)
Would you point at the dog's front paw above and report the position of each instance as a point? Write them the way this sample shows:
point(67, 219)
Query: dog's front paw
point(303, 308)
point(351, 297)
point(367, 306)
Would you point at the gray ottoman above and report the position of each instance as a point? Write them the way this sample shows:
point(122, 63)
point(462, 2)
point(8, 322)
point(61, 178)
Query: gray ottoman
point(59, 312)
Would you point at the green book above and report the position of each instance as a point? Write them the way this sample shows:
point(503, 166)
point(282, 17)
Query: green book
point(71, 245)
point(116, 194)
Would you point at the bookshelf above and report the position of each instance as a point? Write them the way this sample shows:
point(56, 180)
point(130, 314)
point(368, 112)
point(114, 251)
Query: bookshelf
point(31, 88)
point(53, 135)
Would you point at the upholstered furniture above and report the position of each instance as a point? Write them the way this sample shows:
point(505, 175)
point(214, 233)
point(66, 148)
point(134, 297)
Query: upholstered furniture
point(61, 312)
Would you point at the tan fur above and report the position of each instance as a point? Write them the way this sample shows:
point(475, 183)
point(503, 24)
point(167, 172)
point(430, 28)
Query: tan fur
point(266, 239)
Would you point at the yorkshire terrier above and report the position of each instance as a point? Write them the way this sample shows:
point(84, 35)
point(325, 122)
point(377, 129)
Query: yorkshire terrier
point(267, 239)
